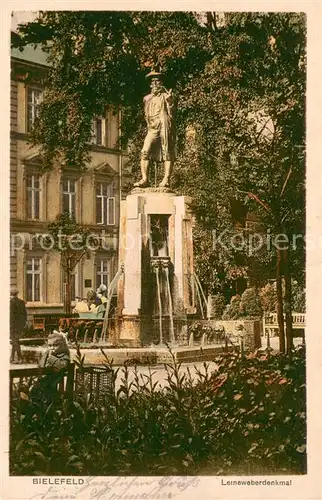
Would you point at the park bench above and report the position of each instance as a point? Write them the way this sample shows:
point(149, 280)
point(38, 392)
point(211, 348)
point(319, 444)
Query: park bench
point(21, 375)
point(86, 381)
point(270, 324)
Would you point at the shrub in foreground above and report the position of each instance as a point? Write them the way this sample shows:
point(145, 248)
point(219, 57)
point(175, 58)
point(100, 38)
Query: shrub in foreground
point(251, 410)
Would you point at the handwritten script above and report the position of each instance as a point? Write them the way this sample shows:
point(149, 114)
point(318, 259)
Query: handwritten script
point(121, 488)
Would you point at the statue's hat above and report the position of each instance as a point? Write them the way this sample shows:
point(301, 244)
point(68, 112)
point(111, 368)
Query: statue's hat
point(154, 74)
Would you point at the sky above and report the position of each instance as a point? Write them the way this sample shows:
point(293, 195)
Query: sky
point(19, 17)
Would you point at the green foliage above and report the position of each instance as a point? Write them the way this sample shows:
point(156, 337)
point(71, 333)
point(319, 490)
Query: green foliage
point(266, 397)
point(232, 310)
point(252, 410)
point(247, 306)
point(240, 87)
point(298, 298)
point(250, 304)
point(99, 59)
point(268, 298)
point(218, 305)
point(70, 239)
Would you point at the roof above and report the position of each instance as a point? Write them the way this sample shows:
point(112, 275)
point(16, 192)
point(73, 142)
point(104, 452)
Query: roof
point(31, 53)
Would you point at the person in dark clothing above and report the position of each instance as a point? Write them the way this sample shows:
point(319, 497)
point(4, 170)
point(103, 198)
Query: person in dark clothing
point(57, 356)
point(18, 318)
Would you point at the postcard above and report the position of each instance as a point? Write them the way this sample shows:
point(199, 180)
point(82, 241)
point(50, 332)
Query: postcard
point(161, 224)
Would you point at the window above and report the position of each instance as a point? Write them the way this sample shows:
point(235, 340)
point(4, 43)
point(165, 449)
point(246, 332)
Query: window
point(33, 196)
point(102, 274)
point(69, 196)
point(98, 131)
point(105, 204)
point(34, 271)
point(34, 97)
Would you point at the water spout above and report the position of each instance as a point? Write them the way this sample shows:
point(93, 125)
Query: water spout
point(201, 290)
point(156, 269)
point(172, 337)
point(199, 296)
point(110, 292)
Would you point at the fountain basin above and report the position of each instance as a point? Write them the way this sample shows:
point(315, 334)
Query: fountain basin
point(144, 355)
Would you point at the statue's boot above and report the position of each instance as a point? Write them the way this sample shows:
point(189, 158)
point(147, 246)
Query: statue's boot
point(167, 172)
point(164, 183)
point(144, 182)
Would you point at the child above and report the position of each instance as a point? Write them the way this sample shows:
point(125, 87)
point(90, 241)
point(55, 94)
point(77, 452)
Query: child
point(57, 355)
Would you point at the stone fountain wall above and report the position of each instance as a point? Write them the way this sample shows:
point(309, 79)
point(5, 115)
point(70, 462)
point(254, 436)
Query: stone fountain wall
point(138, 309)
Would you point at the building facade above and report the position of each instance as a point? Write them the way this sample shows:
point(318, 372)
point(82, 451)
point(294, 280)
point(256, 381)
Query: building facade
point(37, 197)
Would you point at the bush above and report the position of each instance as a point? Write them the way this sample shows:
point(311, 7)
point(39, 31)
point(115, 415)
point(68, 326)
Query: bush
point(268, 298)
point(298, 298)
point(251, 410)
point(232, 310)
point(218, 306)
point(299, 302)
point(250, 304)
point(262, 405)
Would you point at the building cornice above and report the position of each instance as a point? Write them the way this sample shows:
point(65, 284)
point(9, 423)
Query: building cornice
point(34, 226)
point(30, 64)
point(94, 148)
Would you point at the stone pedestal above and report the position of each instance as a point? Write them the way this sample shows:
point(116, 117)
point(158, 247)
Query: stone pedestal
point(145, 215)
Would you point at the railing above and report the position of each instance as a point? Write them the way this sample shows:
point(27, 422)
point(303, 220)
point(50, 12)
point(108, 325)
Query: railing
point(270, 323)
point(49, 321)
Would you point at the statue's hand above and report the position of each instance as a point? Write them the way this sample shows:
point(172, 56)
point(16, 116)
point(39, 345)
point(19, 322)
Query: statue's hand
point(167, 92)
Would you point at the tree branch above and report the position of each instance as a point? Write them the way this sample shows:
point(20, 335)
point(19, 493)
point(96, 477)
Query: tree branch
point(286, 181)
point(258, 200)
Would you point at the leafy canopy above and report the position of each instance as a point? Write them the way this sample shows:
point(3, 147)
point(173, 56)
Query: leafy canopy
point(240, 87)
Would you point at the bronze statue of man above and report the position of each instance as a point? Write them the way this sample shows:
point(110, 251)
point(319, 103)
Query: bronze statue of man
point(159, 141)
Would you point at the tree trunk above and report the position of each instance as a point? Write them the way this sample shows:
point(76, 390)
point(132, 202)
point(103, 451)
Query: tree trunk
point(288, 301)
point(279, 292)
point(211, 20)
point(67, 297)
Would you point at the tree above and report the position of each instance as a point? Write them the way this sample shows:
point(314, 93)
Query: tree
point(72, 241)
point(240, 87)
point(253, 128)
point(99, 59)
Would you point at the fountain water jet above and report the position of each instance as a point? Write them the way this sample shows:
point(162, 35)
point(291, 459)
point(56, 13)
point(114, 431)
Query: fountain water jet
point(172, 336)
point(199, 286)
point(156, 270)
point(199, 297)
point(110, 292)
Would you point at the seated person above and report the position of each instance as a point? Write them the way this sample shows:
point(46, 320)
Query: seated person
point(81, 306)
point(101, 293)
point(93, 301)
point(57, 355)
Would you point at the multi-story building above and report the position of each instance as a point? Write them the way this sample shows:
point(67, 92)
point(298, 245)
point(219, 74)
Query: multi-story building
point(37, 197)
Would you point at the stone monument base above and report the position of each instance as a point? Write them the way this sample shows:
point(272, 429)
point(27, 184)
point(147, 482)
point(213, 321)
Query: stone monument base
point(157, 254)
